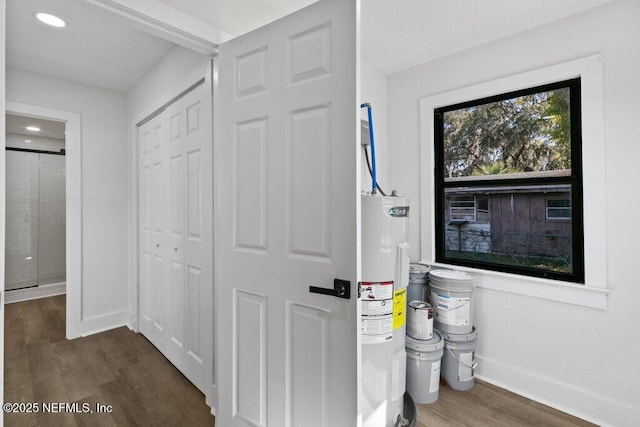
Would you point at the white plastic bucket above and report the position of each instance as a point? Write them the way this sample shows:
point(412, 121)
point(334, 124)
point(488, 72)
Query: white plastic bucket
point(450, 293)
point(418, 277)
point(423, 368)
point(458, 360)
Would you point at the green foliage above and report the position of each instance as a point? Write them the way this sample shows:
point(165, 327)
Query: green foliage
point(495, 168)
point(530, 132)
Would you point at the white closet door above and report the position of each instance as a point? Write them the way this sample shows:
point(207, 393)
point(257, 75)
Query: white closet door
point(176, 262)
point(287, 154)
point(153, 226)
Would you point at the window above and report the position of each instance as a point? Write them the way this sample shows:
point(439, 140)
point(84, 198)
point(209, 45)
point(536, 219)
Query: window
point(508, 163)
point(462, 208)
point(559, 209)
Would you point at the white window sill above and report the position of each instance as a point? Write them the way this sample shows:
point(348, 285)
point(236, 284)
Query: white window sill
point(552, 290)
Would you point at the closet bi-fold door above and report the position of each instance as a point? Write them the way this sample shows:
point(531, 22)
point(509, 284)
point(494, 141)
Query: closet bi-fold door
point(176, 289)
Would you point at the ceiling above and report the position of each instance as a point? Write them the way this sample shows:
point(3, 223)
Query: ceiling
point(48, 128)
point(97, 48)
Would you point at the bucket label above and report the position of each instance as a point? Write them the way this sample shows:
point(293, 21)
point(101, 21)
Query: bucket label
point(452, 311)
point(434, 381)
point(376, 291)
point(376, 330)
point(465, 367)
point(399, 307)
point(420, 321)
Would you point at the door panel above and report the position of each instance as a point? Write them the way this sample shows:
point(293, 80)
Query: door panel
point(176, 286)
point(249, 395)
point(287, 157)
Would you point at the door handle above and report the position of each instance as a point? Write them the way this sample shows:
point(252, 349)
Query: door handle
point(341, 289)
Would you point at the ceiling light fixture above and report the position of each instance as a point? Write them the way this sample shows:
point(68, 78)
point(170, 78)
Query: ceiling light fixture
point(49, 19)
point(33, 128)
point(28, 141)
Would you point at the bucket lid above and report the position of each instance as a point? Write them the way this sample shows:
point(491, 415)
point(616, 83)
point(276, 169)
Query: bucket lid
point(450, 277)
point(419, 304)
point(471, 336)
point(419, 269)
point(434, 344)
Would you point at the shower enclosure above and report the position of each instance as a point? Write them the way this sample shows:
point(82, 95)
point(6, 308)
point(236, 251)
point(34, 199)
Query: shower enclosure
point(35, 213)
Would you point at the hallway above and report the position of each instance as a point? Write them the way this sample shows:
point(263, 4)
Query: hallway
point(117, 368)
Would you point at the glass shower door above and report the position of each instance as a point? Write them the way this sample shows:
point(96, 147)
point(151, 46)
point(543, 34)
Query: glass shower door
point(35, 248)
point(22, 220)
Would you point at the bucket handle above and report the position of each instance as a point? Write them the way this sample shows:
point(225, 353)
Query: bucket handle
point(474, 364)
point(458, 307)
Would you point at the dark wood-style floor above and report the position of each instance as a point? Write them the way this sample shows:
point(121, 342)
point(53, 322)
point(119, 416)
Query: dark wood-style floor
point(122, 369)
point(487, 405)
point(118, 368)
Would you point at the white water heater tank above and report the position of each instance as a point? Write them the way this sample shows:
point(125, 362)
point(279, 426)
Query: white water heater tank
point(385, 277)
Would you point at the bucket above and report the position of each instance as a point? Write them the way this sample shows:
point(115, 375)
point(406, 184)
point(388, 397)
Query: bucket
point(423, 368)
point(419, 320)
point(450, 294)
point(418, 277)
point(458, 361)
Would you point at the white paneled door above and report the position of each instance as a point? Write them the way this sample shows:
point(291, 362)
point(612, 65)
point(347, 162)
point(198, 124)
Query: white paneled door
point(286, 150)
point(175, 224)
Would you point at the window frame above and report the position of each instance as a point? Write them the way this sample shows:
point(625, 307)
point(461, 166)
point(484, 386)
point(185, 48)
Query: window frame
point(594, 292)
point(516, 180)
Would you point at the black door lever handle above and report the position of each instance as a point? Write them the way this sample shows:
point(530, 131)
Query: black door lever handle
point(341, 289)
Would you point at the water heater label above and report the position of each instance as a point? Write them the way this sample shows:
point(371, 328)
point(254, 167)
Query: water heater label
point(399, 308)
point(397, 211)
point(372, 291)
point(376, 308)
point(376, 330)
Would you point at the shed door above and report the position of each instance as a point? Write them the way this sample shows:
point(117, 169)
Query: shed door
point(286, 148)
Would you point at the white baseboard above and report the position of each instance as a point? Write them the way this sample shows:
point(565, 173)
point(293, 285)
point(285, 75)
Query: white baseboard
point(211, 399)
point(132, 322)
point(35, 292)
point(585, 404)
point(103, 323)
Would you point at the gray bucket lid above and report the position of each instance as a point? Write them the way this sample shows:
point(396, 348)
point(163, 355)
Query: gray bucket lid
point(419, 304)
point(471, 336)
point(418, 273)
point(418, 269)
point(434, 344)
point(450, 277)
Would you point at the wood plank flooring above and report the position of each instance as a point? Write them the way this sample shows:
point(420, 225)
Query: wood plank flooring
point(118, 368)
point(122, 369)
point(488, 405)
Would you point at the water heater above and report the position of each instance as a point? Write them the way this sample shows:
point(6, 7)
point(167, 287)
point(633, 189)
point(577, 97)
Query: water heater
point(385, 276)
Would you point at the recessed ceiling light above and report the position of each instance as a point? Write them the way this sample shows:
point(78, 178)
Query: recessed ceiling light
point(49, 19)
point(33, 128)
point(28, 141)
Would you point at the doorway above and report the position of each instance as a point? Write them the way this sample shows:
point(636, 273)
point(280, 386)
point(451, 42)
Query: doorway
point(71, 208)
point(35, 208)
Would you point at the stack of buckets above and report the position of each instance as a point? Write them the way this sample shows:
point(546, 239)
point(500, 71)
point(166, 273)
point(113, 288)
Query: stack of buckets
point(440, 338)
point(423, 345)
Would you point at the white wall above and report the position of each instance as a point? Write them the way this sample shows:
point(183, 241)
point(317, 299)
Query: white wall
point(175, 72)
point(578, 359)
point(104, 188)
point(373, 86)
